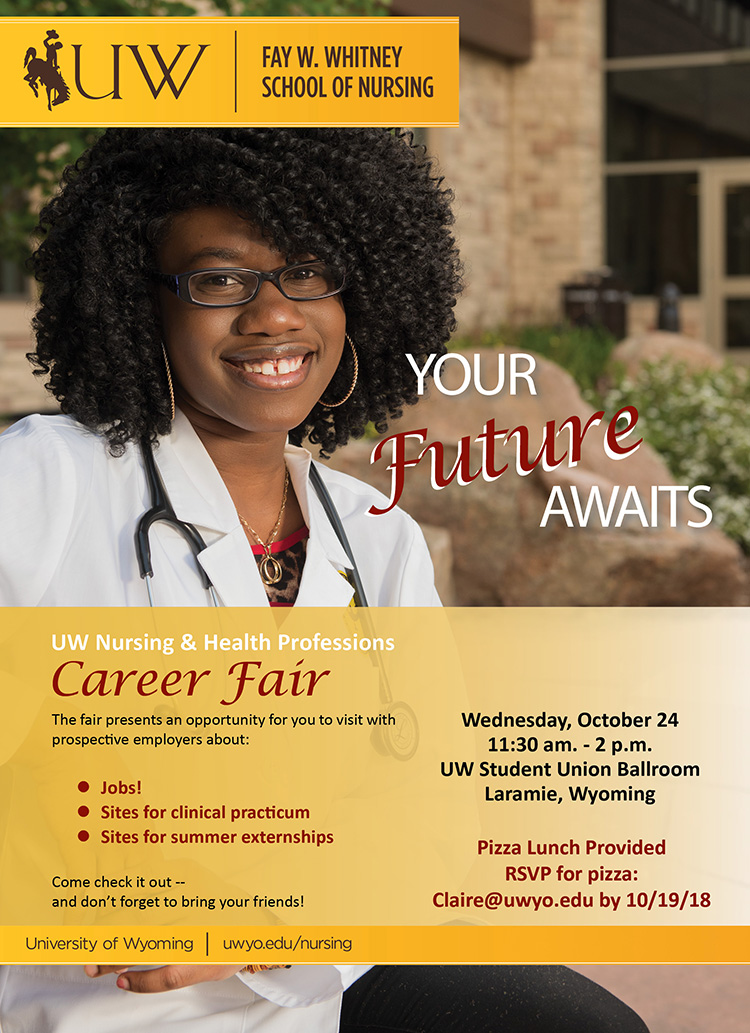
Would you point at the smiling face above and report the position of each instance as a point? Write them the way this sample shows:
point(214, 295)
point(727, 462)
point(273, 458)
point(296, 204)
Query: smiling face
point(258, 367)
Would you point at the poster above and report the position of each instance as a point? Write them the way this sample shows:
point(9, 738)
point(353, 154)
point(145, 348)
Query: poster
point(469, 756)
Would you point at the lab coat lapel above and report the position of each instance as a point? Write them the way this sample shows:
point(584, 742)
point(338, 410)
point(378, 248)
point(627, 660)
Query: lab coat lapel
point(193, 483)
point(199, 496)
point(230, 564)
point(322, 583)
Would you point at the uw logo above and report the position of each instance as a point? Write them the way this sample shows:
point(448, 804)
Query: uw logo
point(47, 72)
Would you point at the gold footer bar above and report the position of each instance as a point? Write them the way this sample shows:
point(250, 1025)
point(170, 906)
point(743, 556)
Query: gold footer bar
point(375, 944)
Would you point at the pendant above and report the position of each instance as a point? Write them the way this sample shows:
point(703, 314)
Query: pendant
point(270, 570)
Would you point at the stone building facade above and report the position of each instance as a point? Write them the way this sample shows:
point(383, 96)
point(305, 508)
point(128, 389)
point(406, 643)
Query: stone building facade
point(525, 165)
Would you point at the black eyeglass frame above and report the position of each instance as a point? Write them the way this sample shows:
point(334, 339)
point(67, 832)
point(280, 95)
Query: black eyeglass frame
point(174, 282)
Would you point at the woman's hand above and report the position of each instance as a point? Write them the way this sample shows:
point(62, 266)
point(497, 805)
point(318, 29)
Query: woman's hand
point(169, 977)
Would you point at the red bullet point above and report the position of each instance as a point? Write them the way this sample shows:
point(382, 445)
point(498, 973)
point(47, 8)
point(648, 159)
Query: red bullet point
point(83, 811)
point(83, 835)
point(83, 787)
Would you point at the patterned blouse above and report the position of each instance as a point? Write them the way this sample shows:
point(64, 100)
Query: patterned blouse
point(290, 552)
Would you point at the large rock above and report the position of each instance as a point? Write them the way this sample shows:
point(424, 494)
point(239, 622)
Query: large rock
point(657, 345)
point(501, 554)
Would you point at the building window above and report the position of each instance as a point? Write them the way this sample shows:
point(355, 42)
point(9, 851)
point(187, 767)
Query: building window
point(652, 230)
point(674, 113)
point(677, 98)
point(639, 28)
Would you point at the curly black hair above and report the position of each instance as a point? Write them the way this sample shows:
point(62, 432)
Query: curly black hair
point(365, 198)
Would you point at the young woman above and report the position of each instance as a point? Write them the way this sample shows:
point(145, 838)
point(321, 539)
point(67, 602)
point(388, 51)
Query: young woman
point(209, 299)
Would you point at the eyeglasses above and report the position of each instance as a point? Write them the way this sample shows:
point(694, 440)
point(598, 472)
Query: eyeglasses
point(222, 288)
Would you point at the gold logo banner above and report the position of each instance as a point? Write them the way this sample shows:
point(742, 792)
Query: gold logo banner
point(229, 71)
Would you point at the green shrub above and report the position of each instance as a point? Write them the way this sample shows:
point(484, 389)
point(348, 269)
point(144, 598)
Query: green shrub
point(581, 350)
point(698, 423)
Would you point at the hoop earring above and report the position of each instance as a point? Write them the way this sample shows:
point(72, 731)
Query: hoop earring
point(347, 396)
point(169, 380)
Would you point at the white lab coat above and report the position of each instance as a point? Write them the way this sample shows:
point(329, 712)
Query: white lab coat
point(63, 999)
point(68, 513)
point(69, 509)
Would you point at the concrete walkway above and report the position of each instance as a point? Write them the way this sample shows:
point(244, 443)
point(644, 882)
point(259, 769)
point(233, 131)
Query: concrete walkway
point(681, 998)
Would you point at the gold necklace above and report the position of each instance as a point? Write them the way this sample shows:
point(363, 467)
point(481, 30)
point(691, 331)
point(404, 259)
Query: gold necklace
point(269, 566)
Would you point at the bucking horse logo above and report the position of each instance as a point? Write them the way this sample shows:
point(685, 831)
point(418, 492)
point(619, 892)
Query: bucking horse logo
point(46, 72)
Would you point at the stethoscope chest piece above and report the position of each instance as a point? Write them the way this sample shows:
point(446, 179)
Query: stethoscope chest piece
point(400, 738)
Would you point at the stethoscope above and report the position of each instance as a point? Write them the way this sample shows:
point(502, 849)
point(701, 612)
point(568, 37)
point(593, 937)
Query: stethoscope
point(399, 739)
point(162, 511)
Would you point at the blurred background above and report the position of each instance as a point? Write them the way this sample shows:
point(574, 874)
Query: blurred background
point(602, 182)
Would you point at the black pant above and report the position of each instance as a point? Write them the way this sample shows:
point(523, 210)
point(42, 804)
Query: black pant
point(482, 999)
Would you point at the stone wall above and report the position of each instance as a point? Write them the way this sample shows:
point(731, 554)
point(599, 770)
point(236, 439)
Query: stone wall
point(20, 391)
point(526, 168)
point(476, 161)
point(556, 178)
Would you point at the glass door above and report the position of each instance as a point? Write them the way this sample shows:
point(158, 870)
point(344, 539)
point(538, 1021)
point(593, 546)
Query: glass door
point(726, 256)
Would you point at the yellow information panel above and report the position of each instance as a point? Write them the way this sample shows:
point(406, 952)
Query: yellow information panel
point(385, 785)
point(229, 71)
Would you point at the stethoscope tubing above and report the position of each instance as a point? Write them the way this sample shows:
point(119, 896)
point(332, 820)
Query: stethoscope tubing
point(316, 480)
point(162, 511)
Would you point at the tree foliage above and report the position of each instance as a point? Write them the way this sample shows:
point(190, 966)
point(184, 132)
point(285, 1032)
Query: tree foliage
point(177, 8)
point(32, 161)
